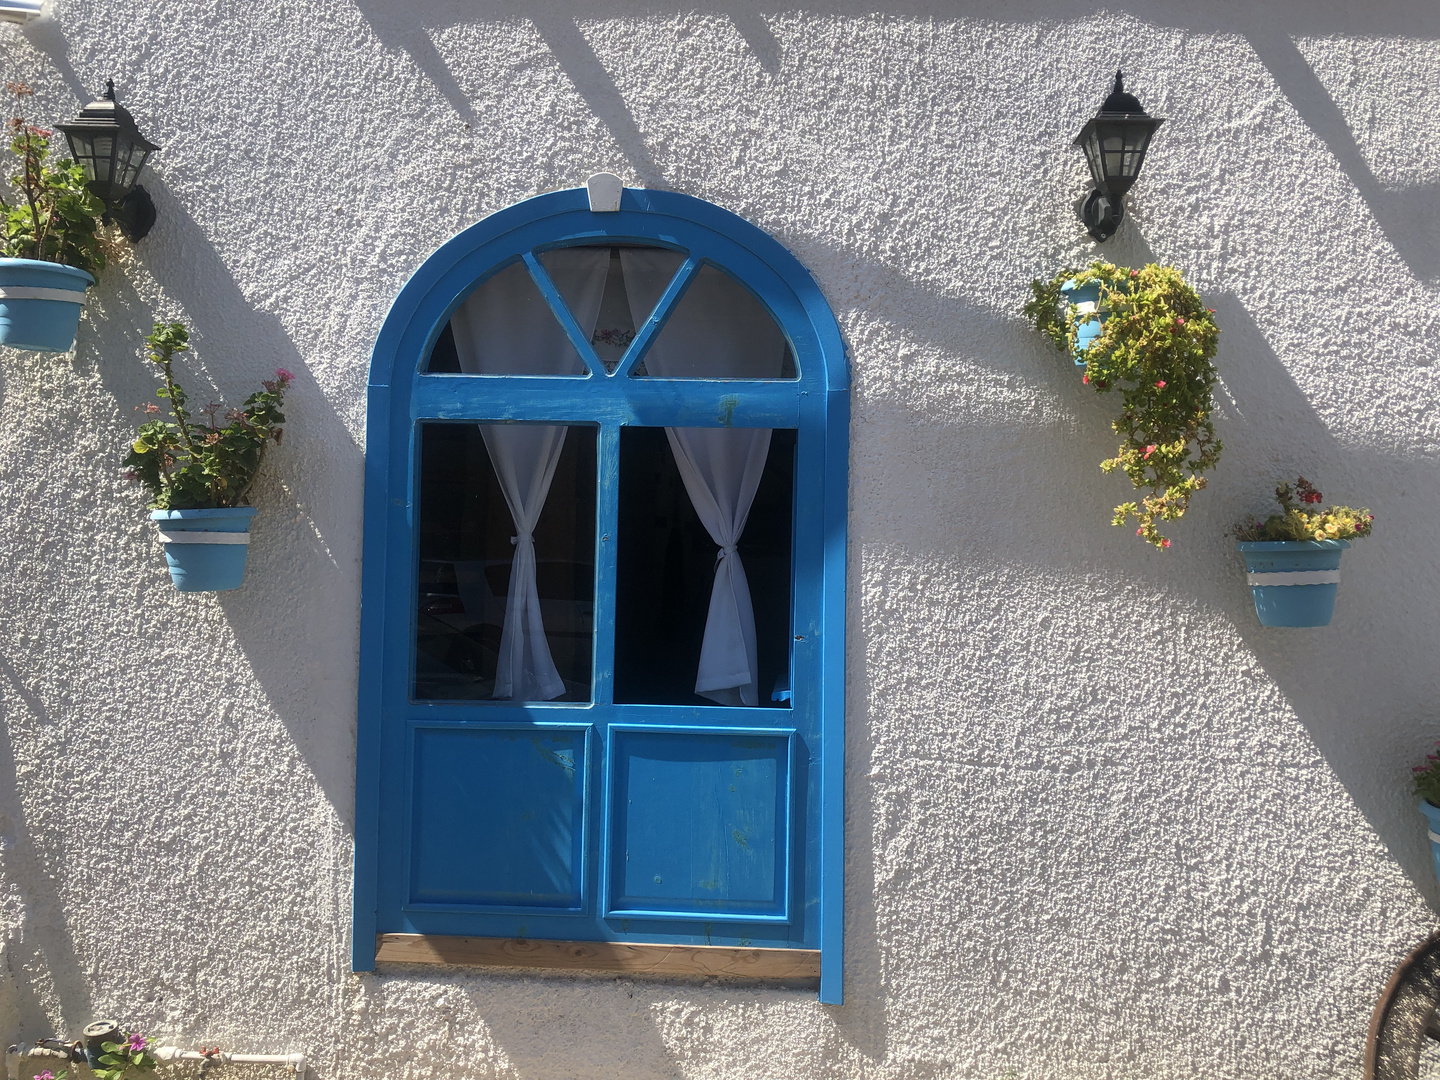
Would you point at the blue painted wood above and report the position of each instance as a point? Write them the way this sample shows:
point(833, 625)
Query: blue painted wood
point(698, 823)
point(651, 327)
point(414, 801)
point(496, 817)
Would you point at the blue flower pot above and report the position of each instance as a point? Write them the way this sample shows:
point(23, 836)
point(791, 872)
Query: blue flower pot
point(40, 304)
point(1086, 298)
point(1313, 570)
point(205, 548)
point(1432, 819)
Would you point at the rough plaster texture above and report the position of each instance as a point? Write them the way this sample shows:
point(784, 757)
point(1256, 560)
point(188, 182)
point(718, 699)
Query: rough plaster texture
point(1100, 823)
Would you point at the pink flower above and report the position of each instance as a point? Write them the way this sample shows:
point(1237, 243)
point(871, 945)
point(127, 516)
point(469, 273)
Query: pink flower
point(1179, 321)
point(1085, 378)
point(1160, 385)
point(136, 1043)
point(1164, 543)
point(1149, 449)
point(283, 375)
point(45, 1074)
point(1134, 273)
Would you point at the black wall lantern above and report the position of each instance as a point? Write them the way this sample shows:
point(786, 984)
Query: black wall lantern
point(1114, 142)
point(109, 147)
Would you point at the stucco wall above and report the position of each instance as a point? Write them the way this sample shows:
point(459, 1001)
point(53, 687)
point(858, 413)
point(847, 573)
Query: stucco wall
point(1100, 822)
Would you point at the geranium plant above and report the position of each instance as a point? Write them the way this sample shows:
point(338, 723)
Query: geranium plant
point(51, 214)
point(1427, 777)
point(1155, 347)
point(120, 1059)
point(1296, 522)
point(189, 464)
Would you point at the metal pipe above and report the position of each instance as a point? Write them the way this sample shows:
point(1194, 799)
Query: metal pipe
point(174, 1053)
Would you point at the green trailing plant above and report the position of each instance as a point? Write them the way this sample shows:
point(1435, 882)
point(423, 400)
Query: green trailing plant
point(194, 465)
point(126, 1058)
point(1155, 348)
point(1295, 522)
point(51, 214)
point(1426, 777)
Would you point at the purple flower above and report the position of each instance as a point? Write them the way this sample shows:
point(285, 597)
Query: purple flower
point(136, 1043)
point(283, 375)
point(45, 1074)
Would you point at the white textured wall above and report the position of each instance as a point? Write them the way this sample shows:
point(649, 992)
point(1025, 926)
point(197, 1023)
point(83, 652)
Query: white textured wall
point(1100, 823)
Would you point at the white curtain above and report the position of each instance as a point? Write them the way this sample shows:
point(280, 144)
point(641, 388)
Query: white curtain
point(506, 328)
point(718, 330)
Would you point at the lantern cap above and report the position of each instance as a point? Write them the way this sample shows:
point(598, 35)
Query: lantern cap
point(106, 112)
point(1120, 102)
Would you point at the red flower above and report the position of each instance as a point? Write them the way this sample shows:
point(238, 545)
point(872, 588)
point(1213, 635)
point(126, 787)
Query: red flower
point(1085, 378)
point(1164, 543)
point(1160, 385)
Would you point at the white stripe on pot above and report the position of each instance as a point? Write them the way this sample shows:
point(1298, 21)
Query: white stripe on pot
point(204, 538)
point(34, 292)
point(1296, 577)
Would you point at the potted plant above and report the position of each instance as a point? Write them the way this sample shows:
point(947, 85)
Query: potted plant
point(1147, 334)
point(200, 472)
point(51, 245)
point(1293, 557)
point(1427, 786)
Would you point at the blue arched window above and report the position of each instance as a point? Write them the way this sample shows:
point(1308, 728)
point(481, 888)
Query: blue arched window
point(602, 641)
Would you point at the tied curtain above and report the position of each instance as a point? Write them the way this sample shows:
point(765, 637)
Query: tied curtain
point(717, 330)
point(506, 328)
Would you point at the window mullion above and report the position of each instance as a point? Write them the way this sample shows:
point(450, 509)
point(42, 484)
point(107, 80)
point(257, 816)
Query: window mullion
point(607, 520)
point(656, 322)
point(561, 311)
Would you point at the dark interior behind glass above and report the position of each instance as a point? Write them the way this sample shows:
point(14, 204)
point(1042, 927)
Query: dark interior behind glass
point(667, 567)
point(465, 557)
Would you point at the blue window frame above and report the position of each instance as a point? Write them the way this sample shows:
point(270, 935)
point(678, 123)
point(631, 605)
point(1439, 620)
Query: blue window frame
point(440, 845)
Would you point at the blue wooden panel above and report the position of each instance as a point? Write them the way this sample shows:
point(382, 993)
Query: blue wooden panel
point(698, 823)
point(497, 817)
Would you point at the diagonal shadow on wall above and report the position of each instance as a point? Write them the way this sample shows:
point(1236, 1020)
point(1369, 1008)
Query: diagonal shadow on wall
point(44, 941)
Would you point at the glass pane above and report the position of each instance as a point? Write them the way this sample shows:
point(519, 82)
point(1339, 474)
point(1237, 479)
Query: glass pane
point(486, 582)
point(674, 645)
point(718, 330)
point(505, 327)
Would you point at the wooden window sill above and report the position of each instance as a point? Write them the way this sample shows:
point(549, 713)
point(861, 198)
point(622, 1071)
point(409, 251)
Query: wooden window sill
point(613, 956)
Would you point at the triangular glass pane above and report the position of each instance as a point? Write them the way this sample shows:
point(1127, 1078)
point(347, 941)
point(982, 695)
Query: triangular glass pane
point(505, 327)
point(718, 330)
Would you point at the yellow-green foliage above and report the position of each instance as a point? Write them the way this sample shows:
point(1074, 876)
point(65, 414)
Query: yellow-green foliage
point(1155, 348)
point(1294, 522)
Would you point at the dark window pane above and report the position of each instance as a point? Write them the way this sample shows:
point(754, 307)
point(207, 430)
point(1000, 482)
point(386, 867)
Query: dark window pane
point(480, 591)
point(667, 570)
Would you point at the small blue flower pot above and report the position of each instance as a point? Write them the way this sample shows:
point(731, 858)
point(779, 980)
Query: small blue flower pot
point(1432, 819)
point(40, 304)
point(1313, 567)
point(205, 548)
point(1086, 298)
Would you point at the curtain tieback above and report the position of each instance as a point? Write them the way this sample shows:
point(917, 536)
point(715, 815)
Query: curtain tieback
point(523, 536)
point(726, 549)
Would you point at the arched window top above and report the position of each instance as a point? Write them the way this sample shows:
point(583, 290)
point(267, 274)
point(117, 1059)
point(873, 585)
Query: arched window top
point(694, 249)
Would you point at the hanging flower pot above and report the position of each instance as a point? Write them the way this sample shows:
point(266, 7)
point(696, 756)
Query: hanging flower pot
point(1294, 582)
point(1145, 337)
point(1086, 299)
point(1432, 820)
point(204, 467)
point(40, 304)
point(1293, 558)
point(205, 548)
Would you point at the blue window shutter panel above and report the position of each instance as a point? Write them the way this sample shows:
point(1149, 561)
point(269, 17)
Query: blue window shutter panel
point(686, 824)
